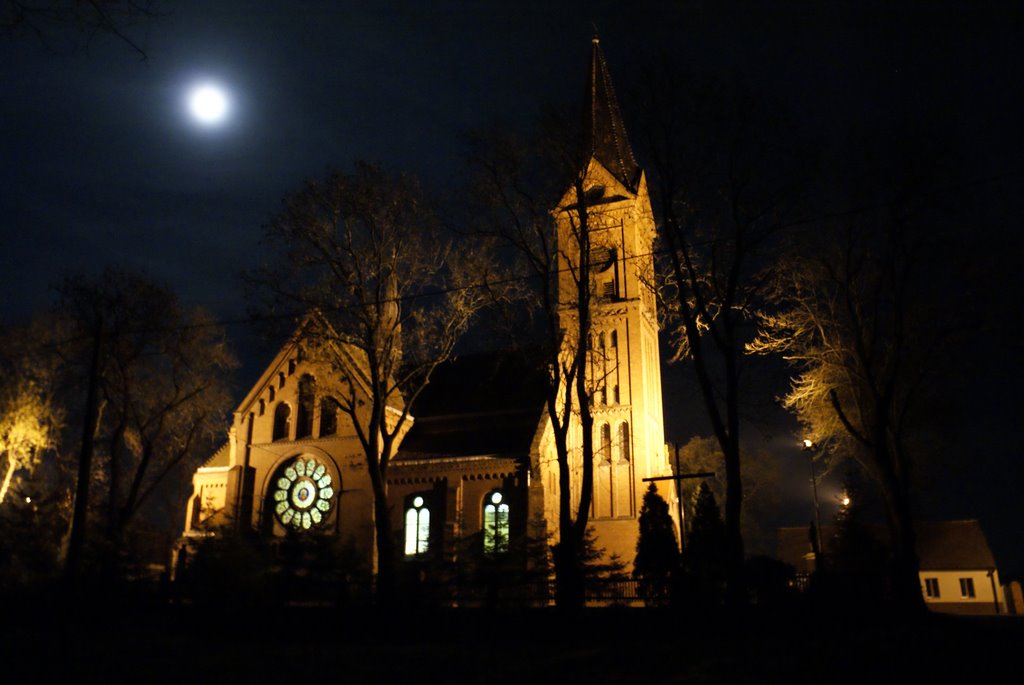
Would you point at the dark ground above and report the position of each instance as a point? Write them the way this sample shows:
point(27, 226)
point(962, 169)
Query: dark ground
point(44, 641)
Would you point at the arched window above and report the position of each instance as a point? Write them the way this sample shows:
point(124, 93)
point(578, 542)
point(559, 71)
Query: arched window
point(282, 421)
point(600, 340)
point(417, 526)
point(328, 416)
point(263, 407)
point(615, 338)
point(623, 441)
point(270, 394)
point(495, 523)
point(304, 415)
point(605, 449)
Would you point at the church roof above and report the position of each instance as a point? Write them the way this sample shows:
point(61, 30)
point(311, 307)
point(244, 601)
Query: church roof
point(479, 404)
point(604, 133)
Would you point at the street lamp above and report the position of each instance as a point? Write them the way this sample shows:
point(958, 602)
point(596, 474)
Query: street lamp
point(809, 447)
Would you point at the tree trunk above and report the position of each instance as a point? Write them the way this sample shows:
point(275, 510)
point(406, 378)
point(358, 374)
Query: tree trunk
point(904, 565)
point(76, 537)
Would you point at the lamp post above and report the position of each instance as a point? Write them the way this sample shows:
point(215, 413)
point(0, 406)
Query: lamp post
point(809, 448)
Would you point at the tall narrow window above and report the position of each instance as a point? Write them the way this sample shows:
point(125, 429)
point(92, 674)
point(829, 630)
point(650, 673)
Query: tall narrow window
point(931, 587)
point(623, 441)
point(615, 338)
point(417, 527)
point(328, 416)
point(304, 415)
point(263, 407)
point(280, 379)
point(605, 452)
point(282, 421)
point(495, 523)
point(271, 394)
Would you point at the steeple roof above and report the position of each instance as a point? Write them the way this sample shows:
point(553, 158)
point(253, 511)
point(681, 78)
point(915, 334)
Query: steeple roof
point(604, 134)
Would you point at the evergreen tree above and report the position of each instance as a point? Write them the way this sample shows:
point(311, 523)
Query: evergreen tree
point(704, 556)
point(856, 557)
point(657, 552)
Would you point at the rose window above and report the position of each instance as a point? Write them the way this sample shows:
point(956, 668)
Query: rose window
point(302, 494)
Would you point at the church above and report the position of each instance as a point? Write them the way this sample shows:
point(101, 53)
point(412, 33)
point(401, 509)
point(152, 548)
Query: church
point(478, 459)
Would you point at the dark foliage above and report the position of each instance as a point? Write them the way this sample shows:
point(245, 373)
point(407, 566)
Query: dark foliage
point(657, 560)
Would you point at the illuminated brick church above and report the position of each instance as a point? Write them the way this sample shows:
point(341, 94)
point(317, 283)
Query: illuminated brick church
point(478, 458)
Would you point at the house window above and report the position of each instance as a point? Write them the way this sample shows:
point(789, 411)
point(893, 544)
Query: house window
point(931, 588)
point(623, 441)
point(417, 526)
point(615, 339)
point(495, 523)
point(304, 415)
point(282, 421)
point(967, 588)
point(328, 416)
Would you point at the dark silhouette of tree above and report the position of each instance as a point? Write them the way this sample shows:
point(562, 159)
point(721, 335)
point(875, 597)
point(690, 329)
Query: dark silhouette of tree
point(856, 558)
point(516, 185)
point(725, 177)
point(704, 555)
point(388, 297)
point(657, 560)
point(84, 18)
point(161, 384)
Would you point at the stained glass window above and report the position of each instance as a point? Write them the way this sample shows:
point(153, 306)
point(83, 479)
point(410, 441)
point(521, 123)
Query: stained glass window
point(303, 494)
point(496, 533)
point(417, 527)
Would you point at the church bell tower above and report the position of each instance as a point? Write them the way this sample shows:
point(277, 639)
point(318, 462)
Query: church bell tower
point(623, 359)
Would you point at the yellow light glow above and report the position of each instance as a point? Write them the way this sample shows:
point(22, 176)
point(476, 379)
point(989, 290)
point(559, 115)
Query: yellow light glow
point(808, 444)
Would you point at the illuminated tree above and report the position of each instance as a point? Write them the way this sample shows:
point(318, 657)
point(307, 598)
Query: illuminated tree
point(31, 417)
point(865, 337)
point(391, 296)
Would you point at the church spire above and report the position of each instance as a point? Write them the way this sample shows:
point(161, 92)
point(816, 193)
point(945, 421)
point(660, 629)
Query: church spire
point(604, 134)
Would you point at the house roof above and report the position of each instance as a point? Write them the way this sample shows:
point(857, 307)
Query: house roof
point(953, 545)
point(941, 545)
point(479, 404)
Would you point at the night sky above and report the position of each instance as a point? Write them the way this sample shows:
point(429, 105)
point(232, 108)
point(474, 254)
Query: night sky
point(101, 162)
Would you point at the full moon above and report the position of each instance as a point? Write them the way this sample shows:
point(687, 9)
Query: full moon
point(208, 104)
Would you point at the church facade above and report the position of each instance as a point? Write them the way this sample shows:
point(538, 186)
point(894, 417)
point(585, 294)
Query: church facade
point(478, 459)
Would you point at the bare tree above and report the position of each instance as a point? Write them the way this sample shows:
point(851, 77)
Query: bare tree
point(85, 18)
point(723, 177)
point(161, 384)
point(864, 339)
point(515, 187)
point(31, 416)
point(391, 297)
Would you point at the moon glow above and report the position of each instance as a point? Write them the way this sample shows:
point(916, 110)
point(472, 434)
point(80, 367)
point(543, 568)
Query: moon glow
point(208, 104)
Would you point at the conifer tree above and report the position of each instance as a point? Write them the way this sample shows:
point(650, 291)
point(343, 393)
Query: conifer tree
point(704, 556)
point(657, 551)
